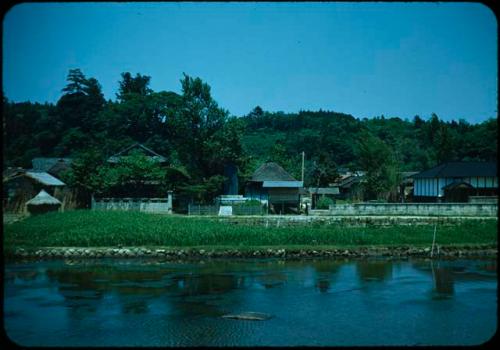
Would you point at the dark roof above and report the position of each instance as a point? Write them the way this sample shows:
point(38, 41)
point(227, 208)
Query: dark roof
point(59, 168)
point(460, 169)
point(323, 190)
point(407, 174)
point(10, 173)
point(271, 171)
point(45, 164)
point(149, 152)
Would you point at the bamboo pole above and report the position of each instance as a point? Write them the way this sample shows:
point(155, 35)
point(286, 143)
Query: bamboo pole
point(433, 240)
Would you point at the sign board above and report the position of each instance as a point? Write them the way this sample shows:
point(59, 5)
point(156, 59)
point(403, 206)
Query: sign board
point(225, 210)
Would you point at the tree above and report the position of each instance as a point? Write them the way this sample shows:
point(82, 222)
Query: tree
point(324, 170)
point(81, 103)
point(133, 175)
point(444, 146)
point(201, 132)
point(129, 86)
point(381, 170)
point(76, 81)
point(86, 175)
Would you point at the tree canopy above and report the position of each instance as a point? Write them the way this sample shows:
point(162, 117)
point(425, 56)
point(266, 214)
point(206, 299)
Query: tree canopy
point(199, 138)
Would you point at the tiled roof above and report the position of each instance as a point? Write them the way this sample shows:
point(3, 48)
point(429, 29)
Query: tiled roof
point(460, 169)
point(150, 153)
point(271, 171)
point(44, 164)
point(324, 190)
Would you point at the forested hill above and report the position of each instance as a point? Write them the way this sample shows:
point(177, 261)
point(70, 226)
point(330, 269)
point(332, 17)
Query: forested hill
point(336, 139)
point(197, 135)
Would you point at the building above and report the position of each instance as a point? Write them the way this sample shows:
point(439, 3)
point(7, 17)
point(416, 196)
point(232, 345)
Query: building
point(54, 166)
point(43, 203)
point(456, 182)
point(273, 185)
point(405, 188)
point(136, 194)
point(322, 192)
point(20, 185)
point(349, 184)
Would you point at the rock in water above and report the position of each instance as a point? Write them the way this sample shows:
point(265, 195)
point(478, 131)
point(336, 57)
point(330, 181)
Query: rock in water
point(251, 316)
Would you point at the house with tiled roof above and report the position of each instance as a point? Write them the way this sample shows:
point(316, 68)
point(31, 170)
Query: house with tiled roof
point(456, 182)
point(272, 184)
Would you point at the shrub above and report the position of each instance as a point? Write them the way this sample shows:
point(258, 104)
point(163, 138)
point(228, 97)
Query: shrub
point(324, 203)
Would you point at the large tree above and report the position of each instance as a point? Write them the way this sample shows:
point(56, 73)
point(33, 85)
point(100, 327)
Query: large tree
point(381, 170)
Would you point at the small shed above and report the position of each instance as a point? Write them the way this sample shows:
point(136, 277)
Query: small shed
point(321, 192)
point(20, 185)
point(42, 203)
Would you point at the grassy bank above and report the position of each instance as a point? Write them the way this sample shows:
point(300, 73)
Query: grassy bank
point(83, 228)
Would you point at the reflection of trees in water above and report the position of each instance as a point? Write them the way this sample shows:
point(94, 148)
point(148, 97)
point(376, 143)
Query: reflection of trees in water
point(83, 288)
point(444, 274)
point(368, 270)
point(443, 279)
point(272, 279)
point(25, 275)
point(326, 270)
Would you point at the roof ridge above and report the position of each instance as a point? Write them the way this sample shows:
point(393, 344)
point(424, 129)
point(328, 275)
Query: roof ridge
point(134, 145)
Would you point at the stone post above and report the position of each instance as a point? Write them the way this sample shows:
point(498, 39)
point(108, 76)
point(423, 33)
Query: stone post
point(169, 202)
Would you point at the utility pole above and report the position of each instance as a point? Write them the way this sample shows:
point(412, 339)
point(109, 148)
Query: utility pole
point(303, 155)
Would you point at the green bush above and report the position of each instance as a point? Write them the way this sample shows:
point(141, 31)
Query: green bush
point(250, 203)
point(324, 203)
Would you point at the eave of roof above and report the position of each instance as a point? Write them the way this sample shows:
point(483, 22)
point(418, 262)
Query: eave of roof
point(282, 184)
point(44, 178)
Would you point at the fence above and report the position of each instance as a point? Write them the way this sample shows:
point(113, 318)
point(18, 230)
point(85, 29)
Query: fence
point(198, 209)
point(151, 205)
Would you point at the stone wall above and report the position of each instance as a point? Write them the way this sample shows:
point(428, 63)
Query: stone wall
point(415, 209)
point(151, 205)
point(349, 220)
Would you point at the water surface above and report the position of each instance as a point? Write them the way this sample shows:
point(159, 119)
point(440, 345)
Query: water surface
point(144, 302)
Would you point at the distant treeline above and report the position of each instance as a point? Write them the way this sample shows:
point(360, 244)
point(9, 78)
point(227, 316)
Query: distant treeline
point(199, 137)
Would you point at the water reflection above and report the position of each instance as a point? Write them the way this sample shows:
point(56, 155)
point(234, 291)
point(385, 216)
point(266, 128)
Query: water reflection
point(165, 303)
point(326, 271)
point(374, 270)
point(84, 287)
point(443, 279)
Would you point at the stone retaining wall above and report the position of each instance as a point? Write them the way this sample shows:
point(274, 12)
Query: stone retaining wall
point(188, 253)
point(415, 209)
point(348, 221)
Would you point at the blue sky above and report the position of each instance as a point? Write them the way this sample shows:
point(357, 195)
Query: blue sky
point(364, 59)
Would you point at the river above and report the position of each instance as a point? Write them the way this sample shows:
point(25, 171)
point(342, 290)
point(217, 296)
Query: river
point(327, 302)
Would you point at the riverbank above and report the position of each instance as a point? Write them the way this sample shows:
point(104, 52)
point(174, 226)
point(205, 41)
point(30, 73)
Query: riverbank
point(292, 253)
point(107, 234)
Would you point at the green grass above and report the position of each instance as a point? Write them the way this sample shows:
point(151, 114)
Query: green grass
point(84, 228)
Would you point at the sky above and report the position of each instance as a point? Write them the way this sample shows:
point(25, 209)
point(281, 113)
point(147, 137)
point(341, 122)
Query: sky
point(363, 59)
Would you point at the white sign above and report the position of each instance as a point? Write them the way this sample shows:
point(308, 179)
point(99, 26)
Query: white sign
point(225, 210)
